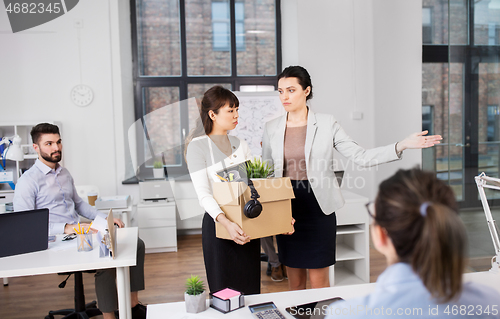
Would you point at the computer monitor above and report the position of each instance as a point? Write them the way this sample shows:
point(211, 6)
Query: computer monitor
point(24, 232)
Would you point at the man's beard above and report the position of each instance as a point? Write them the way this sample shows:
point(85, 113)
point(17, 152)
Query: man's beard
point(52, 158)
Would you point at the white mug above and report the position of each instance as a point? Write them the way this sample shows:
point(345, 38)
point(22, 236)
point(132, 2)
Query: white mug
point(3, 208)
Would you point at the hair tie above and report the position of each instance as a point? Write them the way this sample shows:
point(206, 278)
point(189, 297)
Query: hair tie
point(423, 208)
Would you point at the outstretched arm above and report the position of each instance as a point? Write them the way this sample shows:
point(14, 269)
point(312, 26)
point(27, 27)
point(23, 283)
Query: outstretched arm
point(418, 140)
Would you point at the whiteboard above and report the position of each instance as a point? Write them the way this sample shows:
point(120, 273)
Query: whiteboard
point(256, 108)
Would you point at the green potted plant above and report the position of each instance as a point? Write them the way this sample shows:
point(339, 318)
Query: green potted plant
point(256, 168)
point(158, 169)
point(195, 296)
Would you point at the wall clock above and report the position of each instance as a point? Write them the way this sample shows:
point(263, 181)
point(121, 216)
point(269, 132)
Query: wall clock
point(82, 95)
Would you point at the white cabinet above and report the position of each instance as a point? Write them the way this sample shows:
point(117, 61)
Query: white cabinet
point(353, 251)
point(188, 205)
point(157, 225)
point(6, 196)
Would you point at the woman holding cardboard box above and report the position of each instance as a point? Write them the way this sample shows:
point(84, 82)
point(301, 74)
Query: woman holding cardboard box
point(229, 263)
point(301, 145)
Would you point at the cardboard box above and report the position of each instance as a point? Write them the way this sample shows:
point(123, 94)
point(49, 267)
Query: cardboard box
point(275, 197)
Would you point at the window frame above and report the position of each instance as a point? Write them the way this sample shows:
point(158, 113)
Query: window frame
point(470, 55)
point(430, 120)
point(239, 46)
point(430, 26)
point(142, 81)
point(494, 120)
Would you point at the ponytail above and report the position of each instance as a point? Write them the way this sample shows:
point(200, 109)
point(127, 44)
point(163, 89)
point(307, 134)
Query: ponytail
point(420, 215)
point(439, 254)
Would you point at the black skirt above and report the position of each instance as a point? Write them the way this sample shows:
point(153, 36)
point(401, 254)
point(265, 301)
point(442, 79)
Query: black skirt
point(312, 245)
point(228, 264)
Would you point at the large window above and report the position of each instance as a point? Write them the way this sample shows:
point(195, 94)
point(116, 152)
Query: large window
point(427, 25)
point(183, 47)
point(492, 132)
point(221, 25)
point(461, 80)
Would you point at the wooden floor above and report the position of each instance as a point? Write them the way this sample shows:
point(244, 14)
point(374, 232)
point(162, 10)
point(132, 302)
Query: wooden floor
point(33, 297)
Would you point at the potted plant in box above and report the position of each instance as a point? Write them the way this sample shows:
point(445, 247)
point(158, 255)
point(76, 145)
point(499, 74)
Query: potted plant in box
point(158, 169)
point(259, 169)
point(195, 295)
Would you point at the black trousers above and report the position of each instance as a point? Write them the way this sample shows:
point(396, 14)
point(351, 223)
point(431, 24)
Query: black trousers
point(228, 264)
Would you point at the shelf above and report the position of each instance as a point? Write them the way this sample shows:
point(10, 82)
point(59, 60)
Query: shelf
point(344, 277)
point(350, 229)
point(351, 197)
point(345, 252)
point(31, 156)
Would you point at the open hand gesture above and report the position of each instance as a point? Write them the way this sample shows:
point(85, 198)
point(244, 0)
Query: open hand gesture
point(418, 140)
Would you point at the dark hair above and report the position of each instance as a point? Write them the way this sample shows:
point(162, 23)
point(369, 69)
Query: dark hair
point(302, 76)
point(43, 128)
point(432, 241)
point(213, 99)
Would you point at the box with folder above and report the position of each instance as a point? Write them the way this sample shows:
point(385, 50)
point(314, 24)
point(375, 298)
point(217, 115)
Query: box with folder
point(275, 198)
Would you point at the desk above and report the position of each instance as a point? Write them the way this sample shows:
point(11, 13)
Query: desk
point(293, 298)
point(64, 257)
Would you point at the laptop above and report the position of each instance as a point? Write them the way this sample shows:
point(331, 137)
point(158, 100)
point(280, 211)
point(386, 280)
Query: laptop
point(24, 232)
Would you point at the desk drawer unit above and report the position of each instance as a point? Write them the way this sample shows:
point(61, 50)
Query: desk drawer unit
point(157, 226)
point(6, 197)
point(161, 239)
point(159, 216)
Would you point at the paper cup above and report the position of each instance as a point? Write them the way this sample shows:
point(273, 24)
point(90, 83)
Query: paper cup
point(92, 196)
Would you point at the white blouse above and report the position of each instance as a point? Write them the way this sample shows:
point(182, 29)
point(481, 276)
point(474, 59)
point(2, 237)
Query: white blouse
point(204, 159)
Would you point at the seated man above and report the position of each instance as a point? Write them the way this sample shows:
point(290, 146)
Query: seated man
point(49, 185)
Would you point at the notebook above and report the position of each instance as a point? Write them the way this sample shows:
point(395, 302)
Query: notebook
point(24, 232)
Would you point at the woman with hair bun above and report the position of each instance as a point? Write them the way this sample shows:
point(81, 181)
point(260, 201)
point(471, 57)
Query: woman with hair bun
point(415, 225)
point(301, 146)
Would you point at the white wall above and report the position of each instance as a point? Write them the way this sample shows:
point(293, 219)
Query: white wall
point(362, 57)
point(398, 77)
point(40, 66)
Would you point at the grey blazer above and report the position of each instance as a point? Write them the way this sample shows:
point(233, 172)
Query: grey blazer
point(323, 135)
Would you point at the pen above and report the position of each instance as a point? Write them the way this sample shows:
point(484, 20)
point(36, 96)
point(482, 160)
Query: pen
point(76, 231)
point(221, 178)
point(88, 229)
point(79, 228)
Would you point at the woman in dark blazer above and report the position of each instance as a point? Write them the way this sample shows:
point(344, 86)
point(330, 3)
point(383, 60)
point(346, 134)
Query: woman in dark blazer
point(301, 146)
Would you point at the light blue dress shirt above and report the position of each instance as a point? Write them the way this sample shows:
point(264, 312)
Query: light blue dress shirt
point(44, 187)
point(401, 294)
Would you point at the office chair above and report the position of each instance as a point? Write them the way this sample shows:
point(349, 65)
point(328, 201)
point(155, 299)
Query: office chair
point(82, 310)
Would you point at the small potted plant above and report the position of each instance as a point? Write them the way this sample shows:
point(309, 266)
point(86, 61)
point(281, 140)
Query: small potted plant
point(195, 296)
point(158, 169)
point(259, 169)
